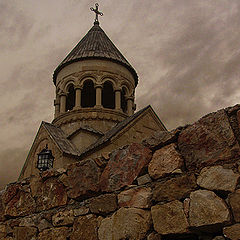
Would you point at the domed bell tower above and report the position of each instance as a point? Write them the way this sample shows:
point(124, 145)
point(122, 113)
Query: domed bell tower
point(95, 84)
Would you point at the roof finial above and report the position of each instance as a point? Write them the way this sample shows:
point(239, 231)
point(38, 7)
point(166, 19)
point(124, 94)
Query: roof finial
point(97, 13)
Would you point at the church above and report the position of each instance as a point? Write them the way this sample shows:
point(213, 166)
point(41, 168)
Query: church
point(94, 107)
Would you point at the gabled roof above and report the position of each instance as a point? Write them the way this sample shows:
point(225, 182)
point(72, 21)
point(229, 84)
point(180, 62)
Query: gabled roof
point(60, 139)
point(95, 45)
point(115, 130)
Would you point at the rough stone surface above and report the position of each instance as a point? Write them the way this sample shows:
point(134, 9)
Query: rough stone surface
point(10, 191)
point(208, 141)
point(232, 232)
point(60, 233)
point(103, 204)
point(165, 161)
point(218, 178)
point(63, 218)
point(2, 209)
point(35, 221)
point(124, 167)
point(85, 227)
point(175, 188)
point(169, 218)
point(3, 232)
point(80, 211)
point(126, 223)
point(21, 204)
point(50, 194)
point(206, 208)
point(159, 139)
point(105, 231)
point(218, 238)
point(154, 236)
point(82, 179)
point(26, 233)
point(136, 197)
point(234, 201)
point(144, 179)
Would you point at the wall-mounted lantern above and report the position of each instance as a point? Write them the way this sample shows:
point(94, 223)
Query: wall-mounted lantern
point(45, 159)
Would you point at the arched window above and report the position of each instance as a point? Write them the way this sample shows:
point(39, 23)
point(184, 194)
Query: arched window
point(124, 100)
point(88, 96)
point(108, 96)
point(70, 98)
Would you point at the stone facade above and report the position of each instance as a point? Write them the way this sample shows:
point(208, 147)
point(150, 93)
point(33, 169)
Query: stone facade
point(119, 196)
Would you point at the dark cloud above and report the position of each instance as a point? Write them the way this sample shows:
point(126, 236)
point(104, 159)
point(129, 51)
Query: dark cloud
point(186, 53)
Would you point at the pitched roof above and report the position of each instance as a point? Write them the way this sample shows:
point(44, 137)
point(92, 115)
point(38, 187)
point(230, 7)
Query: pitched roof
point(95, 45)
point(60, 139)
point(112, 132)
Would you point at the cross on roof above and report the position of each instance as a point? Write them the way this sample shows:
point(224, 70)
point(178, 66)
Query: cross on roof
point(97, 12)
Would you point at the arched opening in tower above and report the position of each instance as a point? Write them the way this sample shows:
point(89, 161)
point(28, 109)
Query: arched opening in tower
point(124, 100)
point(88, 96)
point(70, 98)
point(108, 96)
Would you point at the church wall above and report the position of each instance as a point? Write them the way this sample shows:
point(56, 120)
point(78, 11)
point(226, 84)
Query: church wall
point(182, 184)
point(138, 130)
point(42, 139)
point(84, 139)
point(99, 119)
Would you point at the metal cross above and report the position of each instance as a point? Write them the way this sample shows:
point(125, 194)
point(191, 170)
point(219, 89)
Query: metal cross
point(97, 12)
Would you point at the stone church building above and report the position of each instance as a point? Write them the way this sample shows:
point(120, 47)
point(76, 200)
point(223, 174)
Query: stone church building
point(94, 107)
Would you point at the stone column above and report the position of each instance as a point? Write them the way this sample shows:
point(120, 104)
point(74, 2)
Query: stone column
point(63, 99)
point(98, 96)
point(57, 107)
point(118, 99)
point(78, 97)
point(130, 106)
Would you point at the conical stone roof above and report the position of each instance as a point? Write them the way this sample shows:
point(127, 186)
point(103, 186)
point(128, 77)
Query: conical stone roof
point(95, 45)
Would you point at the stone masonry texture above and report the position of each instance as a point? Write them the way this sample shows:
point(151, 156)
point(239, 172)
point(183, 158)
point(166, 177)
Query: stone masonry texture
point(182, 184)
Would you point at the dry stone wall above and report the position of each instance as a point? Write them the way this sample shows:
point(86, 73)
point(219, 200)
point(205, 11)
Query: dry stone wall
point(182, 184)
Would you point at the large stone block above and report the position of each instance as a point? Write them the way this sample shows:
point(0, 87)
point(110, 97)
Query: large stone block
point(159, 139)
point(126, 223)
point(10, 191)
point(63, 218)
point(234, 201)
point(82, 179)
point(124, 167)
point(208, 141)
point(169, 218)
point(60, 233)
point(175, 188)
point(35, 221)
point(165, 161)
point(135, 197)
point(103, 204)
point(232, 232)
point(207, 209)
point(21, 204)
point(50, 194)
point(218, 178)
point(85, 227)
point(26, 233)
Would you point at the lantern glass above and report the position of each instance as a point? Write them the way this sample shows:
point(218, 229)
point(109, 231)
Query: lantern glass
point(45, 159)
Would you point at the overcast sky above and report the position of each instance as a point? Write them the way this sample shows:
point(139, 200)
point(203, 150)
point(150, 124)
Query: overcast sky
point(186, 53)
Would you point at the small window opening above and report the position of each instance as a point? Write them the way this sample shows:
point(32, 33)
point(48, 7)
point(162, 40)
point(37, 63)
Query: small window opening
point(70, 98)
point(108, 96)
point(123, 100)
point(88, 96)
